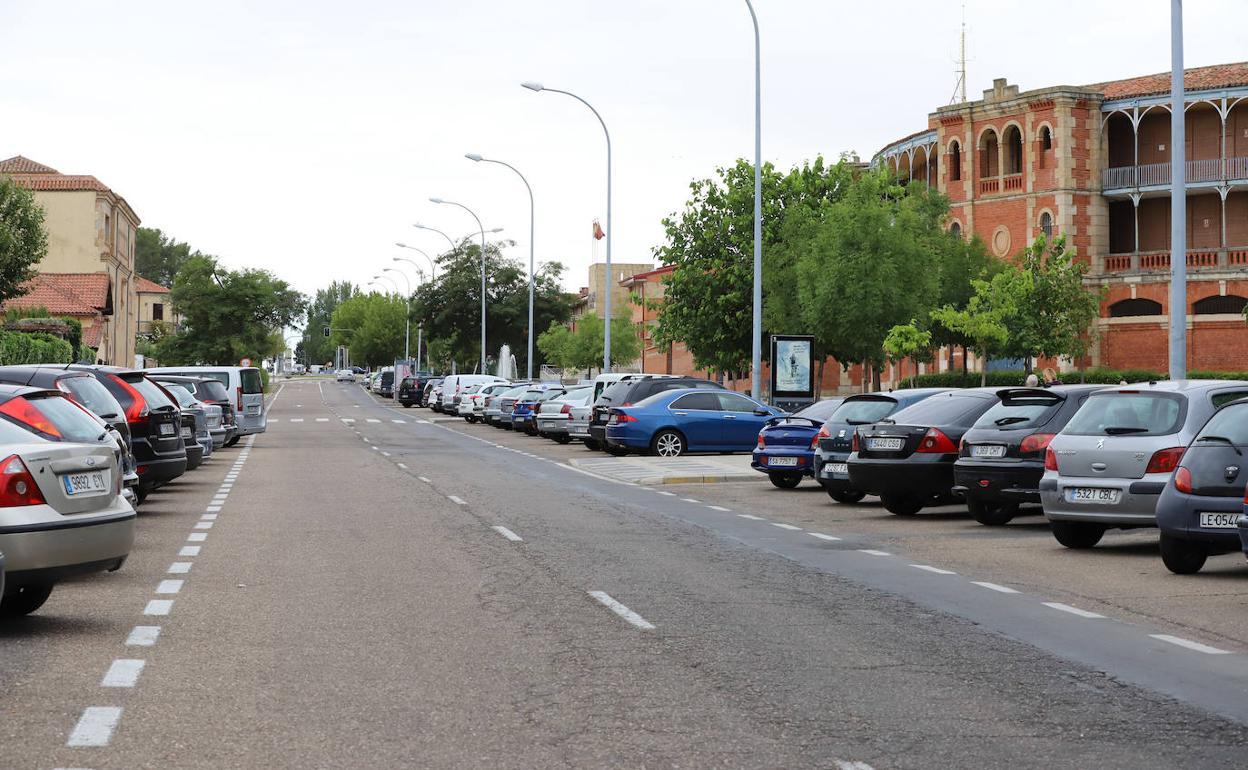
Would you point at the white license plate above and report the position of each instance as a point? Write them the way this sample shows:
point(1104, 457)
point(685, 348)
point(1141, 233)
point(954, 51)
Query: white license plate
point(884, 444)
point(166, 429)
point(839, 469)
point(781, 462)
point(92, 483)
point(253, 409)
point(987, 451)
point(1093, 495)
point(1218, 520)
point(186, 433)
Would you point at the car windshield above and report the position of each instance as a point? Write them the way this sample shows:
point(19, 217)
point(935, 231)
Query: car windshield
point(53, 417)
point(1021, 411)
point(92, 394)
point(181, 393)
point(1230, 423)
point(821, 411)
point(578, 396)
point(941, 409)
point(615, 393)
point(251, 381)
point(1120, 413)
point(211, 390)
point(860, 411)
point(515, 392)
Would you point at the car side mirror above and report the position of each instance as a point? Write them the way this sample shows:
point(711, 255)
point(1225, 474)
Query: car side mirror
point(762, 411)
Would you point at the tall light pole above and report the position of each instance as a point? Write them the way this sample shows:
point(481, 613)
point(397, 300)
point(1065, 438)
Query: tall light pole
point(1178, 200)
point(432, 266)
point(756, 358)
point(482, 229)
point(532, 230)
point(420, 327)
point(393, 282)
point(407, 318)
point(606, 334)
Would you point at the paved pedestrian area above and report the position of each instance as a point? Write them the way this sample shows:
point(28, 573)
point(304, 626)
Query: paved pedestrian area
point(672, 470)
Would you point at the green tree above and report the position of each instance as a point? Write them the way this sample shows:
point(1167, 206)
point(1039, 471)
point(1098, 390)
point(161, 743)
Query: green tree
point(993, 309)
point(582, 348)
point(158, 257)
point(1059, 307)
point(23, 239)
point(228, 315)
point(372, 325)
point(907, 341)
point(315, 347)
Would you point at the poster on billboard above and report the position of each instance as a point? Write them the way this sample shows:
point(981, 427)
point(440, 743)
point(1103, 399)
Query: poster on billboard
point(792, 366)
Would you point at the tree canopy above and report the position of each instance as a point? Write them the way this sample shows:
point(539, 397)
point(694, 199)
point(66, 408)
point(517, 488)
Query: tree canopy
point(582, 348)
point(158, 257)
point(315, 347)
point(23, 238)
point(373, 326)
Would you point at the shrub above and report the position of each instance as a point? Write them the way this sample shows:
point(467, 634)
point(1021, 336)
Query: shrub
point(36, 348)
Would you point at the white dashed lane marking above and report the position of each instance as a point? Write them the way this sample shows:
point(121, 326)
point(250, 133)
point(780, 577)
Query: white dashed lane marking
point(873, 552)
point(189, 550)
point(373, 419)
point(123, 673)
point(619, 609)
point(95, 727)
point(822, 536)
point(1072, 610)
point(936, 570)
point(197, 537)
point(169, 586)
point(751, 517)
point(784, 526)
point(1189, 644)
point(507, 533)
point(993, 587)
point(422, 478)
point(401, 465)
point(719, 508)
point(143, 636)
point(456, 500)
point(158, 607)
point(179, 568)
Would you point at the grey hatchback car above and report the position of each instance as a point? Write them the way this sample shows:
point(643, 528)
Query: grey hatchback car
point(1107, 468)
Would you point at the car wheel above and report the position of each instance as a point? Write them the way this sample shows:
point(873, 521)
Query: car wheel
point(233, 440)
point(846, 496)
point(140, 494)
point(902, 505)
point(562, 438)
point(666, 443)
point(615, 451)
point(406, 404)
point(471, 420)
point(785, 480)
point(1182, 557)
point(592, 445)
point(529, 430)
point(992, 514)
point(25, 600)
point(1077, 534)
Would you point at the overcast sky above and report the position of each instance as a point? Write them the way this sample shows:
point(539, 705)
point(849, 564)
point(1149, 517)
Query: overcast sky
point(306, 137)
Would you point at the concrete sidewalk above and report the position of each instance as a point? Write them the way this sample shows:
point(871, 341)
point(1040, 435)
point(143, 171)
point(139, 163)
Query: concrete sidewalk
point(672, 470)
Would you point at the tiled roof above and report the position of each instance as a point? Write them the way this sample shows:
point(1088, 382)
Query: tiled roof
point(91, 334)
point(59, 182)
point(1195, 79)
point(21, 165)
point(151, 287)
point(660, 270)
point(73, 294)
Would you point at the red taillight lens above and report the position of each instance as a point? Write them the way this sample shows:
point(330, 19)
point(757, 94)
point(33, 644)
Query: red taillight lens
point(622, 418)
point(1035, 443)
point(239, 391)
point(823, 433)
point(762, 441)
point(565, 409)
point(936, 442)
point(137, 410)
point(1165, 460)
point(1050, 459)
point(627, 403)
point(853, 443)
point(1183, 481)
point(17, 486)
point(25, 413)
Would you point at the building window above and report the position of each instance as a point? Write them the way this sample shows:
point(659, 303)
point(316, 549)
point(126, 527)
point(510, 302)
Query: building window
point(955, 162)
point(956, 230)
point(1220, 305)
point(1127, 308)
point(1046, 139)
point(1046, 225)
point(158, 311)
point(1013, 151)
point(989, 160)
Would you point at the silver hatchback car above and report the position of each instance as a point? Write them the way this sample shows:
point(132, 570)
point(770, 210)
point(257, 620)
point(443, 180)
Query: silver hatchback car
point(1108, 466)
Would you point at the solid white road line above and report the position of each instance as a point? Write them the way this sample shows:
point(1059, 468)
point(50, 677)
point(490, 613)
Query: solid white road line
point(822, 536)
point(189, 550)
point(158, 607)
point(1189, 644)
point(197, 537)
point(936, 570)
point(874, 552)
point(621, 610)
point(123, 673)
point(751, 517)
point(95, 727)
point(143, 636)
point(1071, 610)
point(784, 526)
point(456, 500)
point(169, 586)
point(179, 568)
point(507, 533)
point(993, 587)
point(719, 508)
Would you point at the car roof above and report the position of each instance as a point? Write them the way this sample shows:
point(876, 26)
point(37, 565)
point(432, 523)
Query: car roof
point(11, 389)
point(1176, 386)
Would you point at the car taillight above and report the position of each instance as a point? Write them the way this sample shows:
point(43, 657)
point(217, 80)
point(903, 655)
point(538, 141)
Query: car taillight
point(1165, 460)
point(619, 418)
point(627, 403)
point(853, 442)
point(239, 391)
point(1050, 459)
point(137, 411)
point(824, 432)
point(1183, 481)
point(565, 409)
point(762, 440)
point(17, 486)
point(26, 413)
point(936, 442)
point(1036, 442)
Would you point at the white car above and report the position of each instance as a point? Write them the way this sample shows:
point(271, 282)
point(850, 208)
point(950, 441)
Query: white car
point(344, 375)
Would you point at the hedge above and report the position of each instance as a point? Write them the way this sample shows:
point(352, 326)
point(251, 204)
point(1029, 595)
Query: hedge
point(1016, 377)
point(36, 348)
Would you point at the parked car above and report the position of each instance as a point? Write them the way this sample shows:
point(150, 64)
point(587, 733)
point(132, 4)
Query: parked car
point(246, 385)
point(384, 385)
point(907, 458)
point(524, 413)
point(213, 433)
point(631, 390)
point(1109, 465)
point(1001, 458)
point(212, 393)
point(426, 397)
point(578, 423)
point(464, 407)
point(786, 444)
point(409, 392)
point(1199, 509)
point(505, 403)
point(672, 422)
point(835, 438)
point(61, 511)
point(554, 415)
point(483, 396)
point(85, 390)
point(195, 434)
point(454, 384)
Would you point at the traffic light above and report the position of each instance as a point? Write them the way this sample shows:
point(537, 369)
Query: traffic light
point(325, 331)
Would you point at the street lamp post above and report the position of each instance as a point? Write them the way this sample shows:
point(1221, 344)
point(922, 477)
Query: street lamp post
point(606, 334)
point(407, 319)
point(432, 267)
point(1178, 201)
point(532, 230)
point(482, 229)
point(756, 358)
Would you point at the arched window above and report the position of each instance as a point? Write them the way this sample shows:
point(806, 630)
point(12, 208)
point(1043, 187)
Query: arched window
point(1125, 308)
point(1046, 139)
point(955, 161)
point(956, 230)
point(1046, 225)
point(1013, 151)
point(989, 159)
point(1230, 303)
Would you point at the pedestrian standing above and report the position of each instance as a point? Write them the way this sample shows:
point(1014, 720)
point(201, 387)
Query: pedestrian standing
point(1031, 381)
point(1050, 377)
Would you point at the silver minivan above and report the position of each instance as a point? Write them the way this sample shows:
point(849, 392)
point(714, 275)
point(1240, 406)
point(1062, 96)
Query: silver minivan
point(242, 382)
point(1108, 466)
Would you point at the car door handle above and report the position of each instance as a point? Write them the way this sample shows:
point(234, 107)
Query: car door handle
point(681, 414)
point(730, 417)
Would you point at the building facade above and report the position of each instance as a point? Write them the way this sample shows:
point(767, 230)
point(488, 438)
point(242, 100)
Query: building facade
point(91, 246)
point(1093, 163)
point(154, 306)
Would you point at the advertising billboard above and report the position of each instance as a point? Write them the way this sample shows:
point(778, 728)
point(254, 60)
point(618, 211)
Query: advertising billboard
point(792, 367)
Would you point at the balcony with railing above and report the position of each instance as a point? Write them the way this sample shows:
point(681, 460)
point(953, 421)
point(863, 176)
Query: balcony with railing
point(1143, 262)
point(1124, 179)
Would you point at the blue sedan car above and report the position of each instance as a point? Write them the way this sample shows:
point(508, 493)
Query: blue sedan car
point(786, 445)
point(673, 422)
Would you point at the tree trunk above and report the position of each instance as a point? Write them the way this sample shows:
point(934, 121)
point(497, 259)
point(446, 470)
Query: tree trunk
point(965, 356)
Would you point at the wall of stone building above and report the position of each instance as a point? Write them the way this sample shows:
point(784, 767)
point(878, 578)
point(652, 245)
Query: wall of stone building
point(1213, 342)
point(69, 218)
point(620, 300)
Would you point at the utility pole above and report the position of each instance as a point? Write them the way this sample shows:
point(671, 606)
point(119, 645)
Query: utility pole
point(1178, 200)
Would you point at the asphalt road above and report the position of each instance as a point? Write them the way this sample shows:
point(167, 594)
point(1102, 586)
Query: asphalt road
point(379, 590)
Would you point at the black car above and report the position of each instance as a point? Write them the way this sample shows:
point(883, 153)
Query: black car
point(155, 424)
point(629, 392)
point(385, 384)
point(409, 393)
point(89, 393)
point(835, 437)
point(1201, 504)
point(1001, 458)
point(907, 459)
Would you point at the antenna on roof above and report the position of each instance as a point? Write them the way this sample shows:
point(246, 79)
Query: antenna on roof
point(959, 88)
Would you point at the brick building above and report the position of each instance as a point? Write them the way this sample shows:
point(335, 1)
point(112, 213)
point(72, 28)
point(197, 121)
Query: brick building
point(1093, 163)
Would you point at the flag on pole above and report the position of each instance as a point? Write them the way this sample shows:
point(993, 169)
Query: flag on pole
point(598, 231)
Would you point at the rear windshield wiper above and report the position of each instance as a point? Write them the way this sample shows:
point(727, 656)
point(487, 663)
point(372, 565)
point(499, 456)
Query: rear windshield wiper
point(1010, 420)
point(886, 421)
point(1221, 440)
point(862, 422)
point(1118, 430)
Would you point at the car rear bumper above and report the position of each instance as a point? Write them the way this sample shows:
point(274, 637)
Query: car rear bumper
point(625, 436)
point(761, 459)
point(1136, 506)
point(827, 478)
point(194, 455)
point(47, 546)
point(552, 425)
point(1178, 516)
point(219, 436)
point(1006, 483)
point(916, 475)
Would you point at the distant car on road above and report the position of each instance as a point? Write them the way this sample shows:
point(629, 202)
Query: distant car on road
point(786, 444)
point(344, 375)
point(555, 415)
point(673, 422)
point(524, 413)
point(244, 382)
